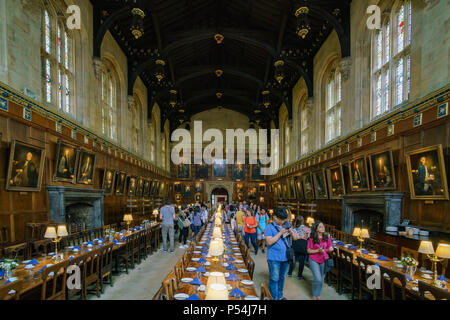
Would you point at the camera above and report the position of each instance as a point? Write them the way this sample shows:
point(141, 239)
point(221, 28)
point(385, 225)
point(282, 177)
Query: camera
point(286, 225)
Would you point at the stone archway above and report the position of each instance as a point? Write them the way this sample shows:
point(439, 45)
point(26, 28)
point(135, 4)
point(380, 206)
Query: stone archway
point(227, 185)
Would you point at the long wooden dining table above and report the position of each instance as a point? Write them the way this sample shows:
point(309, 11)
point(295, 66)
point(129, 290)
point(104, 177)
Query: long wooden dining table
point(32, 278)
point(411, 286)
point(235, 253)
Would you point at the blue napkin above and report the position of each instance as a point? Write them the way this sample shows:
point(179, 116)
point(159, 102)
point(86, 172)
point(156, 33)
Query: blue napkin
point(193, 297)
point(340, 243)
point(196, 281)
point(51, 254)
point(230, 258)
point(408, 277)
point(71, 257)
point(383, 258)
point(442, 278)
point(232, 277)
point(7, 282)
point(115, 241)
point(202, 260)
point(90, 242)
point(76, 247)
point(365, 251)
point(237, 293)
point(2, 273)
point(101, 239)
point(231, 267)
point(352, 247)
point(123, 238)
point(34, 262)
point(200, 269)
point(40, 271)
point(376, 263)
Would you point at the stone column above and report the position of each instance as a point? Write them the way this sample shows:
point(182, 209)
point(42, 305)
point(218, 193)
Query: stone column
point(309, 112)
point(347, 103)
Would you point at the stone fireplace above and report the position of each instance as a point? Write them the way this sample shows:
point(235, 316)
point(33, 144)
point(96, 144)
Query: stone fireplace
point(78, 208)
point(375, 210)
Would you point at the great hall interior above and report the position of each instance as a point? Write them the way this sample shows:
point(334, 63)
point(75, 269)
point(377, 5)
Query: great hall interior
point(91, 93)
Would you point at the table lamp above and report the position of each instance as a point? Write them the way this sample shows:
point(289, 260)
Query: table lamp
point(56, 235)
point(128, 218)
point(216, 291)
point(361, 234)
point(443, 251)
point(155, 213)
point(215, 249)
point(310, 221)
point(217, 233)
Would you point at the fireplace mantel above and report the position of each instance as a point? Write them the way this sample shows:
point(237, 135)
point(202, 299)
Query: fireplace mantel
point(387, 204)
point(60, 197)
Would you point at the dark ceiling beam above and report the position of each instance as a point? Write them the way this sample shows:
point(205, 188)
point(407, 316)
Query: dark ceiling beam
point(211, 93)
point(210, 70)
point(108, 23)
point(247, 36)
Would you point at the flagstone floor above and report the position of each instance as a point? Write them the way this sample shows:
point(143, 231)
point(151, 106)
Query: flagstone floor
point(142, 282)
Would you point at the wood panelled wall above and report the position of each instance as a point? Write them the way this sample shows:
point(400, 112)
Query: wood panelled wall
point(433, 216)
point(19, 208)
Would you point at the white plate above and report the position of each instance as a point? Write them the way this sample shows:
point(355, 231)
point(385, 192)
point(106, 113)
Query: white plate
point(399, 265)
point(216, 274)
point(227, 274)
point(195, 259)
point(229, 288)
point(225, 264)
point(238, 261)
point(247, 282)
point(426, 271)
point(181, 296)
point(190, 269)
point(427, 276)
point(236, 249)
point(238, 254)
point(26, 261)
point(242, 270)
point(197, 252)
point(206, 274)
point(186, 280)
point(29, 266)
point(207, 263)
point(202, 288)
point(251, 298)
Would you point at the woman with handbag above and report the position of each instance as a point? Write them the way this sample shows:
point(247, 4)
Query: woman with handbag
point(279, 253)
point(183, 224)
point(300, 247)
point(319, 246)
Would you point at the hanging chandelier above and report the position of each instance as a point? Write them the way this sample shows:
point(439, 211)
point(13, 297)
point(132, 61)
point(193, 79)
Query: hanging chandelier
point(279, 70)
point(219, 95)
point(219, 38)
point(173, 97)
point(137, 26)
point(219, 73)
point(303, 27)
point(159, 70)
point(266, 98)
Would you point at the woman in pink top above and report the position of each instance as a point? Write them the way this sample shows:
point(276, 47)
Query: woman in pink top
point(319, 245)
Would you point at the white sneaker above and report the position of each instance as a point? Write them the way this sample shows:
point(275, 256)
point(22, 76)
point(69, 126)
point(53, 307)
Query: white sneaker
point(185, 246)
point(181, 246)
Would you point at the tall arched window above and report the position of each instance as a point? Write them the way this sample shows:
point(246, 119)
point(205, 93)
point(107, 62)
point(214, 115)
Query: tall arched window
point(287, 143)
point(333, 106)
point(391, 63)
point(304, 125)
point(153, 138)
point(109, 107)
point(163, 150)
point(136, 125)
point(56, 52)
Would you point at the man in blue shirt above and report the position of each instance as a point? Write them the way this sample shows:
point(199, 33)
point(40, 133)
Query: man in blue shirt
point(276, 252)
point(167, 215)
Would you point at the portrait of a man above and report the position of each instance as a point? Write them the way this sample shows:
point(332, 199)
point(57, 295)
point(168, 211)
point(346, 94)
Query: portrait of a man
point(187, 191)
point(120, 183)
point(359, 177)
point(139, 187)
point(335, 182)
point(238, 172)
point(66, 163)
point(219, 168)
point(426, 173)
point(86, 168)
point(320, 184)
point(177, 187)
point(308, 187)
point(25, 169)
point(184, 171)
point(108, 181)
point(299, 189)
point(132, 181)
point(198, 187)
point(382, 171)
point(201, 171)
point(146, 191)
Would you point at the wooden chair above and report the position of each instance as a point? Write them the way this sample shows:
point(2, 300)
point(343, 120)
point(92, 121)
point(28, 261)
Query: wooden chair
point(160, 294)
point(135, 251)
point(124, 256)
point(54, 282)
point(387, 249)
point(18, 251)
point(106, 264)
point(156, 238)
point(4, 235)
point(391, 283)
point(437, 293)
point(363, 275)
point(347, 279)
point(143, 244)
point(92, 272)
point(332, 277)
point(11, 291)
point(42, 247)
point(169, 286)
point(251, 267)
point(265, 293)
point(148, 243)
point(178, 270)
point(80, 261)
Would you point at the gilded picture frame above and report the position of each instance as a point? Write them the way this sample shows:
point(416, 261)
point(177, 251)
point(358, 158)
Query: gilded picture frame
point(382, 171)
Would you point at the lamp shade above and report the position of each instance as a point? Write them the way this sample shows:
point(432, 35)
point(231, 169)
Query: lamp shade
point(356, 232)
point(127, 217)
point(365, 233)
point(443, 251)
point(310, 220)
point(50, 233)
point(426, 247)
point(216, 248)
point(62, 231)
point(217, 291)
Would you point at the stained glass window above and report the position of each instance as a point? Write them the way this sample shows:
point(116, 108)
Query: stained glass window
point(48, 78)
point(60, 88)
point(67, 104)
point(401, 29)
point(409, 22)
point(108, 105)
point(47, 33)
point(66, 51)
point(399, 82)
point(408, 72)
point(387, 43)
point(333, 117)
point(59, 44)
point(386, 91)
point(378, 97)
point(379, 50)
